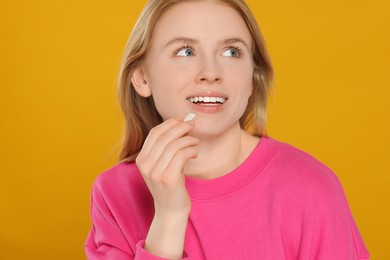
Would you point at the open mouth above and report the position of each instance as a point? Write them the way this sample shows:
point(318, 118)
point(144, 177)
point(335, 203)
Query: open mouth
point(207, 101)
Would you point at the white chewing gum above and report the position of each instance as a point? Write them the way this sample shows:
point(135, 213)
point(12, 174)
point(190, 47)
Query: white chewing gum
point(189, 117)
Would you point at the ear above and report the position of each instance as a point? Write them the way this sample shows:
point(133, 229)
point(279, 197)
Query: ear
point(140, 83)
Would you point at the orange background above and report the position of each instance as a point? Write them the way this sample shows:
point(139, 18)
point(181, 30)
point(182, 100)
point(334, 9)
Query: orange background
point(60, 120)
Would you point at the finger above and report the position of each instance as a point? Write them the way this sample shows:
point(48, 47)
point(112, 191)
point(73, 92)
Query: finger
point(156, 132)
point(144, 161)
point(169, 172)
point(172, 134)
point(155, 147)
point(152, 154)
point(177, 164)
point(171, 150)
point(166, 125)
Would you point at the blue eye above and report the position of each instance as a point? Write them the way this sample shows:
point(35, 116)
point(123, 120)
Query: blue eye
point(184, 52)
point(232, 52)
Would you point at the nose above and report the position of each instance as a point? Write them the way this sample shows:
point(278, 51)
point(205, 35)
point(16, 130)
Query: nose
point(209, 72)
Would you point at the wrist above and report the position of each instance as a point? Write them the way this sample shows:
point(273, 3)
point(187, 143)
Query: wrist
point(171, 219)
point(166, 235)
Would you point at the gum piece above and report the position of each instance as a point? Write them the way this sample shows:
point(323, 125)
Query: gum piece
point(189, 117)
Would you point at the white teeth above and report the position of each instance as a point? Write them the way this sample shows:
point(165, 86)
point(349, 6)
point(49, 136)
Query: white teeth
point(207, 99)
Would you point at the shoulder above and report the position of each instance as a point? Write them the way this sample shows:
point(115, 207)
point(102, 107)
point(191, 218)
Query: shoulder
point(120, 178)
point(313, 206)
point(117, 173)
point(298, 162)
point(301, 183)
point(298, 159)
point(297, 172)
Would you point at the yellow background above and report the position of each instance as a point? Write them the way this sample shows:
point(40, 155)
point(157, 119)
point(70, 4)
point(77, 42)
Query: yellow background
point(60, 121)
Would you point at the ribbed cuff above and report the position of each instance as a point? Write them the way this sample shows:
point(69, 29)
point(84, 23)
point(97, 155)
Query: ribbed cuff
point(142, 254)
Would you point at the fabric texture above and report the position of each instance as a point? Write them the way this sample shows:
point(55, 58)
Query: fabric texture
point(280, 203)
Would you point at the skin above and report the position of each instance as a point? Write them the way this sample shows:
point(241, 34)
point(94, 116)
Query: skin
point(212, 144)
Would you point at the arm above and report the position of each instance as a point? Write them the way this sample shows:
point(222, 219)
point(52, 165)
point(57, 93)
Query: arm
point(160, 163)
point(106, 241)
point(335, 233)
point(166, 236)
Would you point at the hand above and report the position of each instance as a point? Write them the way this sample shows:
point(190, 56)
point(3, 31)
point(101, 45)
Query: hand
point(161, 161)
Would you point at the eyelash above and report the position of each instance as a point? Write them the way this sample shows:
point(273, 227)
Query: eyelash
point(240, 52)
point(188, 46)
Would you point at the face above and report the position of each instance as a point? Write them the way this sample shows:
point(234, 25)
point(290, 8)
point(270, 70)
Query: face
point(200, 61)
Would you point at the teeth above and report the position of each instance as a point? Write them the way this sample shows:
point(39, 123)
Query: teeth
point(207, 99)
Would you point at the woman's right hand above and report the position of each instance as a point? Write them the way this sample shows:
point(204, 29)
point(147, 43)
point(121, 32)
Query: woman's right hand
point(161, 161)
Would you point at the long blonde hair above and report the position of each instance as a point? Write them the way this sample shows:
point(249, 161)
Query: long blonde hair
point(140, 113)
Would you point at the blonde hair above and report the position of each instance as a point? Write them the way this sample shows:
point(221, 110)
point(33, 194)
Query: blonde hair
point(140, 113)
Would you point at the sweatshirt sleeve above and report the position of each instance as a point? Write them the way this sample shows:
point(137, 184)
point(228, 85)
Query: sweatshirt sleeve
point(105, 240)
point(335, 234)
point(315, 218)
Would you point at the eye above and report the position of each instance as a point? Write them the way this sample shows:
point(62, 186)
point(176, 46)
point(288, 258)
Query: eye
point(185, 52)
point(232, 52)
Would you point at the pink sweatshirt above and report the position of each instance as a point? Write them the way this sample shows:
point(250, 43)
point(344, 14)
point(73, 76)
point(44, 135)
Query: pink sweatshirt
point(281, 203)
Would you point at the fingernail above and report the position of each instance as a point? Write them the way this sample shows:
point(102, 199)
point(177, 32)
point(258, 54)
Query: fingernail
point(189, 117)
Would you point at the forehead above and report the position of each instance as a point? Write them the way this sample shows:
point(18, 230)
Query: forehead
point(201, 20)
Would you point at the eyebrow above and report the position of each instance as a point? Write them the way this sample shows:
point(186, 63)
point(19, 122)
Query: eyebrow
point(194, 41)
point(181, 40)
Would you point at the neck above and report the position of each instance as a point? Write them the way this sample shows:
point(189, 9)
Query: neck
point(218, 155)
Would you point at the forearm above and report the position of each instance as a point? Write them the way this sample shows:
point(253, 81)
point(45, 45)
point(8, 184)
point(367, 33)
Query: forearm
point(166, 236)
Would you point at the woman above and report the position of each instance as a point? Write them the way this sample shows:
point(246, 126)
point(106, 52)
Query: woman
point(212, 184)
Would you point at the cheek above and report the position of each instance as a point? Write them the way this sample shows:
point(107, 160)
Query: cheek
point(167, 83)
point(167, 77)
point(242, 79)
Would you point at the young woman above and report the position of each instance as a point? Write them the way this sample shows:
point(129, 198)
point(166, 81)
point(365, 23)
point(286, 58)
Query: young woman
point(199, 178)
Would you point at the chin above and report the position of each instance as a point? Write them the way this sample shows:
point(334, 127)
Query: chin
point(210, 130)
